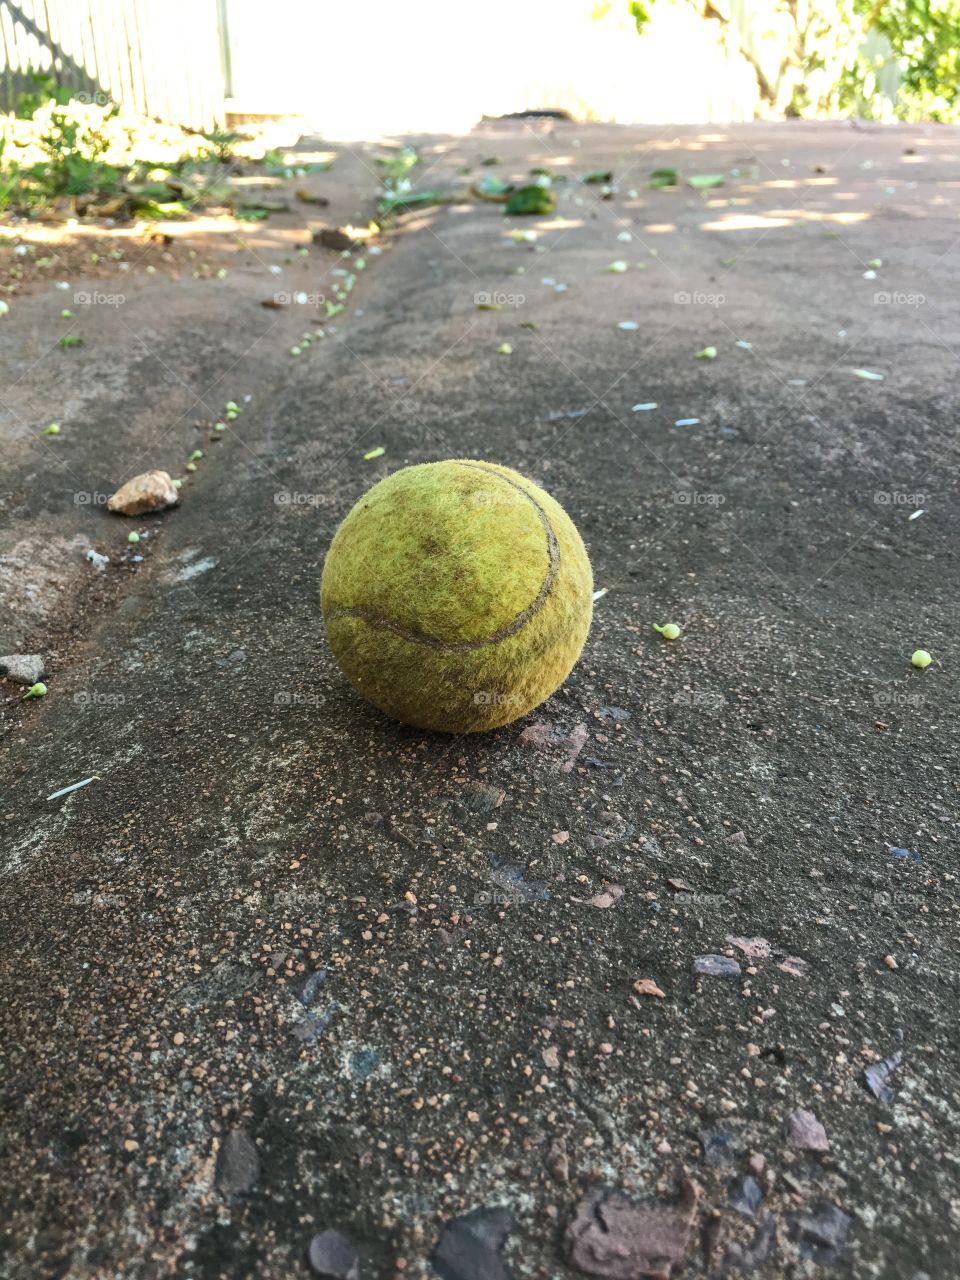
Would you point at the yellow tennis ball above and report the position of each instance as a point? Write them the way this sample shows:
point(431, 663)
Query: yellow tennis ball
point(457, 595)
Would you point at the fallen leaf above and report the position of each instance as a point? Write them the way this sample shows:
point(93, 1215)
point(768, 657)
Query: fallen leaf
point(530, 201)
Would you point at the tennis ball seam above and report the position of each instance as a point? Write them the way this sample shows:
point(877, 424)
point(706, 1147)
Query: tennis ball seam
point(511, 628)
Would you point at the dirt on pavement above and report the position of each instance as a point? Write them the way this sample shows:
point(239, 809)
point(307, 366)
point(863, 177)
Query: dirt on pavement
point(285, 966)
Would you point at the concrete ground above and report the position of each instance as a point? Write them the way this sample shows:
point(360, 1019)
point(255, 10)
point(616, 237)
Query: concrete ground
point(286, 966)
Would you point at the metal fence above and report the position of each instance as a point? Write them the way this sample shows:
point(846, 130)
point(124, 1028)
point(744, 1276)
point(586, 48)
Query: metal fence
point(162, 59)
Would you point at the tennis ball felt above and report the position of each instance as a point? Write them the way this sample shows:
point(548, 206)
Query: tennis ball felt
point(457, 595)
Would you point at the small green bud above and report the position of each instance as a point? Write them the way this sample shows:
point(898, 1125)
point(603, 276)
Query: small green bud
point(196, 455)
point(504, 349)
point(52, 430)
point(219, 426)
point(669, 632)
point(191, 466)
point(177, 482)
point(66, 314)
point(294, 351)
point(133, 536)
point(35, 691)
point(232, 407)
point(920, 658)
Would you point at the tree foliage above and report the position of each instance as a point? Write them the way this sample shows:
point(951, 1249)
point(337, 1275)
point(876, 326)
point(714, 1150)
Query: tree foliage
point(876, 58)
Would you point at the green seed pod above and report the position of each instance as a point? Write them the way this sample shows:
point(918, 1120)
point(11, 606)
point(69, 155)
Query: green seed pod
point(35, 691)
point(669, 632)
point(920, 658)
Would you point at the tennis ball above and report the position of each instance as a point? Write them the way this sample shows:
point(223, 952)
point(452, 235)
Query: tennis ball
point(456, 595)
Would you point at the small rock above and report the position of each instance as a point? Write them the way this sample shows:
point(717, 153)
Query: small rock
point(151, 491)
point(469, 1247)
point(746, 1197)
point(793, 965)
point(718, 1148)
point(238, 1163)
point(877, 1076)
point(759, 1249)
point(25, 668)
point(312, 986)
point(333, 1256)
point(558, 1162)
point(756, 1163)
point(97, 560)
point(611, 1236)
point(803, 1129)
point(647, 987)
point(752, 948)
point(608, 897)
point(822, 1233)
point(614, 713)
point(716, 966)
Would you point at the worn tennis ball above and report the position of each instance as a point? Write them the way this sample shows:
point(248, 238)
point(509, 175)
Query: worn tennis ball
point(457, 595)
